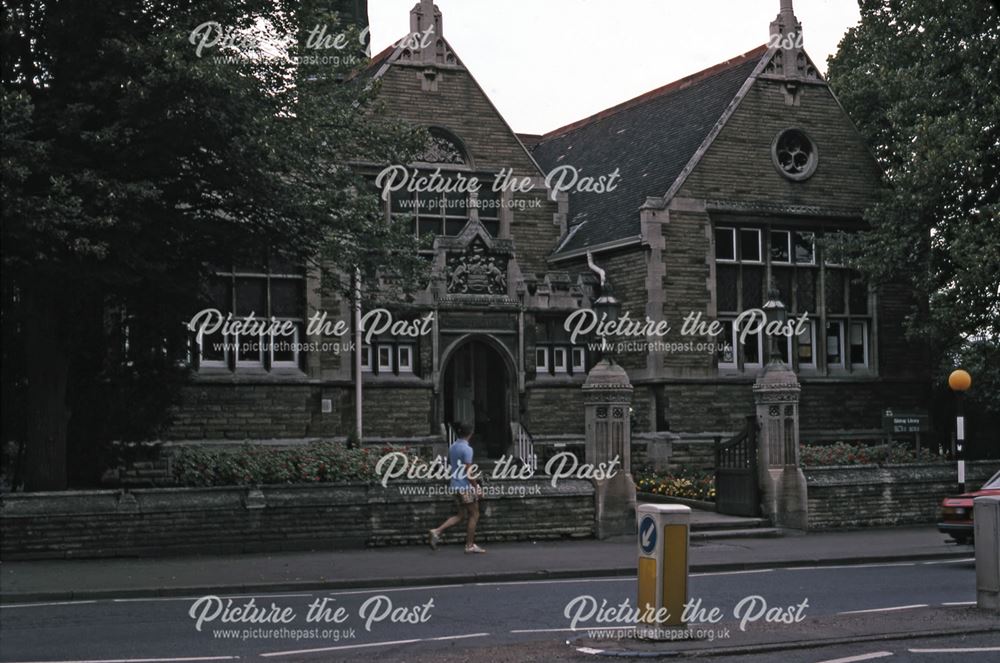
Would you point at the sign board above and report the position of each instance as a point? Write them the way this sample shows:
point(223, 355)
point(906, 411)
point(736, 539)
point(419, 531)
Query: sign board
point(647, 535)
point(896, 423)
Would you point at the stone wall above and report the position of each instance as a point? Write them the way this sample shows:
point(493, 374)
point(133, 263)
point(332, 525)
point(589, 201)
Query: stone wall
point(738, 164)
point(460, 106)
point(872, 496)
point(168, 521)
point(219, 410)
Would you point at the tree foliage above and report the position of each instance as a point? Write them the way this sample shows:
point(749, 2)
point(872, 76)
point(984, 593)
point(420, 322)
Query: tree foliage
point(922, 82)
point(133, 164)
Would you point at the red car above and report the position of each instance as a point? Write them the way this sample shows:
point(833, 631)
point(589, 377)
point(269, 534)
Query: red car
point(956, 512)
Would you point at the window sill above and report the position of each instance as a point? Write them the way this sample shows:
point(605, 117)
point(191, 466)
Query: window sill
point(278, 375)
point(553, 380)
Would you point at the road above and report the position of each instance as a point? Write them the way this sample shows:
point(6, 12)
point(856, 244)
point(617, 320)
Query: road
point(443, 621)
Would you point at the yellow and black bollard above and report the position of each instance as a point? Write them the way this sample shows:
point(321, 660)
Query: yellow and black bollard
point(663, 567)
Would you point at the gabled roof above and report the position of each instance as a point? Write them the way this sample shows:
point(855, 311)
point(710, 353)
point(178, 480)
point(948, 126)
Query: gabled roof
point(650, 139)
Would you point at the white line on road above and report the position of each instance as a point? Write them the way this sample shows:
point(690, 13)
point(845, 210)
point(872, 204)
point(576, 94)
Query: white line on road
point(732, 573)
point(951, 561)
point(859, 657)
point(960, 603)
point(40, 605)
point(190, 659)
point(195, 598)
point(460, 637)
point(848, 566)
point(562, 581)
point(897, 607)
point(372, 644)
point(573, 630)
point(323, 649)
point(391, 589)
point(149, 599)
point(954, 650)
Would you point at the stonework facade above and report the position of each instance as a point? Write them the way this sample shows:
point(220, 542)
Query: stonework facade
point(729, 179)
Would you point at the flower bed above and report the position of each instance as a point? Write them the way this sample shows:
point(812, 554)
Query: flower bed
point(844, 453)
point(320, 462)
point(689, 485)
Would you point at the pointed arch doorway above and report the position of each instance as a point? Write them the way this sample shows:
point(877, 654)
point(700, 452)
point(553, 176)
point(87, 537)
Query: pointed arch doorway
point(477, 391)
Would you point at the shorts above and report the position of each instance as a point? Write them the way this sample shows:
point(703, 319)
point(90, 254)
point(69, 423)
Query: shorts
point(466, 496)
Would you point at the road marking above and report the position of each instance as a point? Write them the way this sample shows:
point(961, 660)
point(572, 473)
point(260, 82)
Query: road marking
point(195, 598)
point(951, 561)
point(557, 582)
point(955, 650)
point(372, 644)
point(149, 660)
point(732, 573)
point(589, 650)
point(897, 607)
point(40, 605)
point(323, 649)
point(391, 589)
point(859, 657)
point(848, 566)
point(149, 599)
point(960, 603)
point(573, 630)
point(460, 637)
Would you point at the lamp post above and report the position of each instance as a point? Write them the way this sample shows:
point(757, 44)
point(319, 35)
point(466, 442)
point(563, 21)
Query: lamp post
point(774, 311)
point(607, 308)
point(960, 381)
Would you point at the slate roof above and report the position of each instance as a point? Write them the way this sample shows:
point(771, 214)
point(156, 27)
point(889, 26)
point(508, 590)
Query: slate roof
point(650, 139)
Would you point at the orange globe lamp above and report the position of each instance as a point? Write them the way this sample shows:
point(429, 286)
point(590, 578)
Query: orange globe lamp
point(959, 380)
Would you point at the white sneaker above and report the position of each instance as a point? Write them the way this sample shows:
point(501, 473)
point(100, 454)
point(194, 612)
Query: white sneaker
point(473, 549)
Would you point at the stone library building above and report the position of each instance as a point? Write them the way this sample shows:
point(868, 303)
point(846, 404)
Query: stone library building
point(706, 194)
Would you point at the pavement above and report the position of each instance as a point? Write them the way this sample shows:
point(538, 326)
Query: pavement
point(83, 579)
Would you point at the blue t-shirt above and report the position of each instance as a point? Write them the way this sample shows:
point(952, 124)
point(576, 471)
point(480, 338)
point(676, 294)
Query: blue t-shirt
point(459, 455)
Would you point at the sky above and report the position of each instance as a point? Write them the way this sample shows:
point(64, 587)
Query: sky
point(547, 63)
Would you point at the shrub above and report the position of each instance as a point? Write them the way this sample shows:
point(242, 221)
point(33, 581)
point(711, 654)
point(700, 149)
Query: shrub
point(319, 462)
point(688, 484)
point(844, 453)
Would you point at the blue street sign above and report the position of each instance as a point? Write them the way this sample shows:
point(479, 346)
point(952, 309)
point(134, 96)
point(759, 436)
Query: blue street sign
point(647, 535)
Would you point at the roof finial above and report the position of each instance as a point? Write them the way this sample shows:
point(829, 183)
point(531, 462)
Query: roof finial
point(790, 61)
point(425, 27)
point(786, 24)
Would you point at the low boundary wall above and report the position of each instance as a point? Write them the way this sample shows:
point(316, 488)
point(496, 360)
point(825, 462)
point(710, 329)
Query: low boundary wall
point(167, 521)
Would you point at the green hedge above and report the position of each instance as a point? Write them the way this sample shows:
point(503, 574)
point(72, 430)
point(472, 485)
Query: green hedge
point(319, 462)
point(844, 453)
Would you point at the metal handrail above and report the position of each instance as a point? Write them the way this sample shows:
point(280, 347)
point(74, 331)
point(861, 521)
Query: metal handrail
point(524, 445)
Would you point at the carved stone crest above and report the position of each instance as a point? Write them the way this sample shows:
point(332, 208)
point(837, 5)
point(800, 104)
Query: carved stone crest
point(477, 271)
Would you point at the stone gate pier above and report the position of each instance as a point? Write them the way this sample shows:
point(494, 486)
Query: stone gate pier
point(782, 483)
point(607, 397)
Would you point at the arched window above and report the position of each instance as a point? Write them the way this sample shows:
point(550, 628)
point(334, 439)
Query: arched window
point(444, 148)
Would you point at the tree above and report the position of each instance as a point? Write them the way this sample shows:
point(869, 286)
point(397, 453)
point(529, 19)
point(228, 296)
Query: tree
point(922, 82)
point(135, 161)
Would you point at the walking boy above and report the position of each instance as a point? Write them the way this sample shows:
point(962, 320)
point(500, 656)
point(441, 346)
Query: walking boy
point(466, 491)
